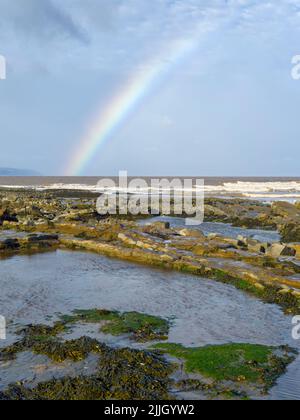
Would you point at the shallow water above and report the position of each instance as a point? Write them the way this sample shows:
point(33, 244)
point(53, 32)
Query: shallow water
point(31, 369)
point(203, 311)
point(223, 229)
point(7, 234)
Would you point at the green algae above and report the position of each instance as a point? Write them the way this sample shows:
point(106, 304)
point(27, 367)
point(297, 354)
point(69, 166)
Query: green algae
point(42, 339)
point(250, 363)
point(140, 327)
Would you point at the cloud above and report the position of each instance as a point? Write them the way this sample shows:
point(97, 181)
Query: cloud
point(116, 35)
point(39, 20)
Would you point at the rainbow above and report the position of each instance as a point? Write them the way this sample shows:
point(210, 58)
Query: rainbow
point(122, 105)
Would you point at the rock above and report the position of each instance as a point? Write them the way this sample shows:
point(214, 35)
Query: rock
point(38, 238)
point(159, 229)
point(259, 286)
point(290, 232)
point(285, 209)
point(9, 244)
point(297, 248)
point(257, 247)
point(242, 241)
point(161, 225)
point(212, 212)
point(126, 239)
point(7, 215)
point(191, 233)
point(213, 236)
point(144, 245)
point(281, 250)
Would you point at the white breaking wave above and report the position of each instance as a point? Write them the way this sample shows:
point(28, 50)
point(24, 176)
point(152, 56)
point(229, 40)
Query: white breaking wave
point(260, 190)
point(243, 187)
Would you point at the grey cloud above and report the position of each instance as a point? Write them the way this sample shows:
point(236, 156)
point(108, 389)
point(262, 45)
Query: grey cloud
point(39, 19)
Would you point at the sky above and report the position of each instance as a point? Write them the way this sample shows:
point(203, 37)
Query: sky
point(221, 100)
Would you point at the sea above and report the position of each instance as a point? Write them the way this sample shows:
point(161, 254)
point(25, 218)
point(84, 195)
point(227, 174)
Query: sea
point(258, 188)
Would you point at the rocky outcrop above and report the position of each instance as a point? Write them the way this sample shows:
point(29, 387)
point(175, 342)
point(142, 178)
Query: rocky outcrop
point(290, 232)
point(262, 269)
point(7, 215)
point(30, 243)
point(280, 250)
point(190, 233)
point(285, 210)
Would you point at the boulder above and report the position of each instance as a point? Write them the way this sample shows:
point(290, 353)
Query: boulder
point(285, 209)
point(257, 247)
point(161, 225)
point(242, 241)
point(7, 215)
point(191, 233)
point(39, 238)
point(212, 212)
point(290, 232)
point(9, 244)
point(213, 236)
point(280, 250)
point(126, 239)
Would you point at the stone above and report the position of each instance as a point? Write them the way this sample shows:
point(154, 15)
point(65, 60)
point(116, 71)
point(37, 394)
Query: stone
point(213, 236)
point(126, 239)
point(161, 225)
point(242, 241)
point(214, 212)
point(290, 232)
point(9, 244)
point(38, 238)
point(285, 209)
point(191, 233)
point(257, 247)
point(7, 215)
point(281, 250)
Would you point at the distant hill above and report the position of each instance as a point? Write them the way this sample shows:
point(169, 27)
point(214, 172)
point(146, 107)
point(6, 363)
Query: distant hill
point(17, 172)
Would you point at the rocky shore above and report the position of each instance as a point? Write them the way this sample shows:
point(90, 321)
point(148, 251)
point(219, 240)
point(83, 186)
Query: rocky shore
point(33, 222)
point(269, 271)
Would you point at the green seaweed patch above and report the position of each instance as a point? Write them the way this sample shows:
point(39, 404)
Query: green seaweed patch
point(249, 363)
point(42, 339)
point(140, 327)
point(92, 316)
